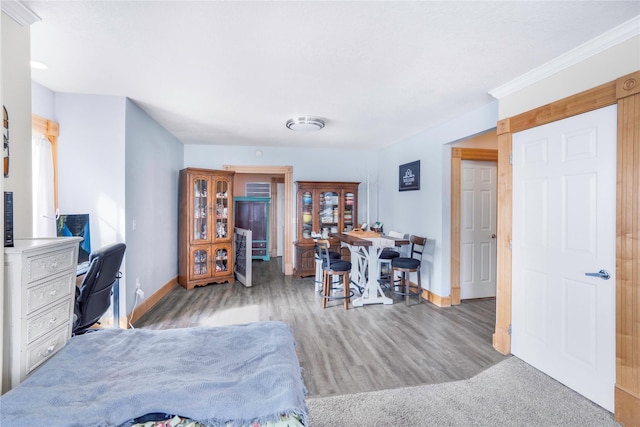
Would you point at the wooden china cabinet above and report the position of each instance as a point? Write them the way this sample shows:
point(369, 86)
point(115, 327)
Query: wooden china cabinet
point(327, 207)
point(205, 233)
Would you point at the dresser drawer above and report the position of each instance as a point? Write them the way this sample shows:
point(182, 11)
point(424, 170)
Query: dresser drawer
point(45, 348)
point(49, 320)
point(45, 265)
point(50, 291)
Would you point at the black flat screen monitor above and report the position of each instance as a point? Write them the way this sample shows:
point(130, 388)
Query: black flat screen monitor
point(77, 225)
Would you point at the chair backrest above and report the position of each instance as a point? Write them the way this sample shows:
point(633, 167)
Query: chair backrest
point(322, 251)
point(94, 295)
point(417, 246)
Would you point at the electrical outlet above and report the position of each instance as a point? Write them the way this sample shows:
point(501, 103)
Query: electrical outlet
point(139, 291)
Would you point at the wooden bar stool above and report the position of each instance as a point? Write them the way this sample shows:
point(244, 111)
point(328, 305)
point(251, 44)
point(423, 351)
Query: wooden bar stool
point(319, 276)
point(334, 267)
point(386, 256)
point(407, 265)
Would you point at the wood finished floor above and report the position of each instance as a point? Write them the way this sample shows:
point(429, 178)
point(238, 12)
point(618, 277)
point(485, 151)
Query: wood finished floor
point(369, 348)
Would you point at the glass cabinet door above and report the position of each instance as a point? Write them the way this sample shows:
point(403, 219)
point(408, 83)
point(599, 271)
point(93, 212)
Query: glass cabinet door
point(201, 261)
point(222, 210)
point(349, 214)
point(307, 214)
point(222, 257)
point(200, 209)
point(329, 212)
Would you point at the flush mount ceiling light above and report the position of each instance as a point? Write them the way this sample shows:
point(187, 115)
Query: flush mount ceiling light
point(305, 124)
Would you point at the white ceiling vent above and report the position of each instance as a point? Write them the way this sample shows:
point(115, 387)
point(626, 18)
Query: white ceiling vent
point(258, 189)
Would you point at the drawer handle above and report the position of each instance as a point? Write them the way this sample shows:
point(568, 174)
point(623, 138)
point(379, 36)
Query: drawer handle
point(53, 320)
point(53, 292)
point(48, 351)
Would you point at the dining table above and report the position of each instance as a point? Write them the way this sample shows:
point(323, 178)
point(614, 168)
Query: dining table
point(365, 248)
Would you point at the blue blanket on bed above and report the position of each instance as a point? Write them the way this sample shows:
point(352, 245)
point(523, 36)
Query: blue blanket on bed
point(215, 375)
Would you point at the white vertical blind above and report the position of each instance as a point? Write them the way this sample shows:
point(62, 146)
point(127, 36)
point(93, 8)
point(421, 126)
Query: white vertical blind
point(44, 211)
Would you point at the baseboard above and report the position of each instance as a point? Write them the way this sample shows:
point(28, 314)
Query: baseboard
point(152, 300)
point(436, 299)
point(627, 408)
point(502, 341)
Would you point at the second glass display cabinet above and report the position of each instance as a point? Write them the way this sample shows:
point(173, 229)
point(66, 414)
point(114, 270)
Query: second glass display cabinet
point(324, 207)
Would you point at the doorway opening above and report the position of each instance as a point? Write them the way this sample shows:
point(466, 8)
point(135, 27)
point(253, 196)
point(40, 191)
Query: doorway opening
point(286, 172)
point(458, 154)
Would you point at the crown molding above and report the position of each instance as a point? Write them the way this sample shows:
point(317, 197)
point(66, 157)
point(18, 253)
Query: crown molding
point(586, 50)
point(20, 13)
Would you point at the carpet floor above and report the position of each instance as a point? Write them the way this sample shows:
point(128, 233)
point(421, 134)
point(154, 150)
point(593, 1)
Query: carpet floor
point(511, 393)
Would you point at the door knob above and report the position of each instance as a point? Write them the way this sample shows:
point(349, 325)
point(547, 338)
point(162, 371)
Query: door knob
point(493, 236)
point(603, 274)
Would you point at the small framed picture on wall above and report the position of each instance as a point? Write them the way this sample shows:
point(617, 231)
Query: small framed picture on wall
point(409, 175)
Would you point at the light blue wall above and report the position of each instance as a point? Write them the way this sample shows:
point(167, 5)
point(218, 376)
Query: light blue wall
point(91, 167)
point(309, 164)
point(427, 212)
point(153, 159)
point(118, 164)
point(43, 101)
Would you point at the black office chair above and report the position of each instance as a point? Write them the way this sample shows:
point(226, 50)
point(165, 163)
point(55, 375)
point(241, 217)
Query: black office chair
point(93, 297)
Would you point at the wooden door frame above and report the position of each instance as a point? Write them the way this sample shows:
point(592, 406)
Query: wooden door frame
point(287, 171)
point(625, 92)
point(458, 154)
point(51, 131)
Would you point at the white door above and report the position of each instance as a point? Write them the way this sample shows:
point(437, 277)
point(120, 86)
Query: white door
point(478, 229)
point(564, 198)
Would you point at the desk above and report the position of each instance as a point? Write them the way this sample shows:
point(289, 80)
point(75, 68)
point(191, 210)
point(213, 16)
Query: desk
point(368, 249)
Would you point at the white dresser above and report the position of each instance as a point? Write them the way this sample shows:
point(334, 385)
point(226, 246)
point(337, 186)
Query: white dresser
point(39, 292)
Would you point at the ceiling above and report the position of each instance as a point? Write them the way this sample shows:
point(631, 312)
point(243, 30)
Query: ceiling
point(233, 72)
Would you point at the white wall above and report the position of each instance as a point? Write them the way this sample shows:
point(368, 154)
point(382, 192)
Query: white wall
point(427, 212)
point(153, 159)
point(16, 97)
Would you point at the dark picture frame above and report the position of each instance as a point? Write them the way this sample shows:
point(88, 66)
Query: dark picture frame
point(409, 176)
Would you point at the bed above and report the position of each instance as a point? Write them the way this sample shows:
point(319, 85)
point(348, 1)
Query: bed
point(240, 375)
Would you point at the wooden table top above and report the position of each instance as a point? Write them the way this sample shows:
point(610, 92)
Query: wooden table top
point(350, 239)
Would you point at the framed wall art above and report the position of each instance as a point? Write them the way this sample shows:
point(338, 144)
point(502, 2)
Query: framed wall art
point(409, 176)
